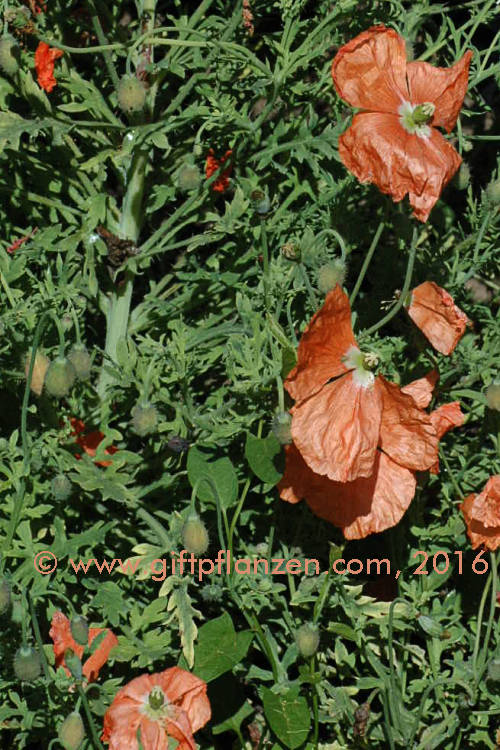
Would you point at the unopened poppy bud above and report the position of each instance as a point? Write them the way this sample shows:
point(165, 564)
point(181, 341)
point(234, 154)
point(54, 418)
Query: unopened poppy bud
point(17, 615)
point(60, 377)
point(493, 193)
point(60, 487)
point(260, 201)
point(4, 596)
point(307, 640)
point(493, 396)
point(27, 666)
point(212, 593)
point(195, 535)
point(67, 322)
point(71, 732)
point(9, 55)
point(188, 177)
point(40, 368)
point(131, 94)
point(80, 359)
point(144, 419)
point(291, 251)
point(73, 663)
point(494, 669)
point(80, 630)
point(282, 427)
point(462, 177)
point(331, 274)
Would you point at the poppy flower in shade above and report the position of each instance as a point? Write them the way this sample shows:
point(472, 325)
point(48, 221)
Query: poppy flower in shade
point(394, 142)
point(212, 165)
point(432, 309)
point(482, 515)
point(172, 703)
point(343, 412)
point(60, 632)
point(45, 58)
point(90, 441)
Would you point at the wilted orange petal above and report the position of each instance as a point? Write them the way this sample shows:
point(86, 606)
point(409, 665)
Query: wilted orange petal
point(365, 506)
point(369, 72)
point(376, 148)
point(480, 534)
point(406, 431)
point(446, 417)
point(421, 390)
point(44, 65)
point(100, 656)
point(298, 477)
point(60, 632)
point(432, 309)
point(322, 346)
point(486, 506)
point(190, 694)
point(443, 87)
point(337, 429)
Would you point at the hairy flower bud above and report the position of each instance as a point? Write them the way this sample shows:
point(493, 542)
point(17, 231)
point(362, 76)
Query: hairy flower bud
point(212, 592)
point(27, 666)
point(131, 94)
point(462, 178)
point(9, 55)
point(331, 274)
point(4, 596)
point(282, 427)
point(493, 193)
point(494, 669)
point(80, 359)
point(195, 535)
point(260, 201)
point(73, 663)
point(307, 640)
point(493, 396)
point(80, 630)
point(40, 368)
point(60, 487)
point(60, 377)
point(71, 732)
point(144, 419)
point(188, 177)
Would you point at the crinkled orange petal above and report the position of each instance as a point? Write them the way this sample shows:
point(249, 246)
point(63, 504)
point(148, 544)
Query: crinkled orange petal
point(443, 87)
point(486, 506)
point(44, 65)
point(190, 694)
point(337, 429)
point(444, 418)
point(377, 149)
point(369, 72)
point(407, 434)
point(432, 309)
point(365, 506)
point(421, 390)
point(100, 656)
point(60, 632)
point(322, 346)
point(297, 478)
point(479, 533)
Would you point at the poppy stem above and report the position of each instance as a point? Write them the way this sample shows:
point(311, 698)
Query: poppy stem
point(484, 653)
point(366, 262)
point(95, 739)
point(103, 42)
point(38, 637)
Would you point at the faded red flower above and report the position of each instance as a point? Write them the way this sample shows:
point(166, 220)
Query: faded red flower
point(394, 142)
point(60, 632)
point(432, 309)
point(90, 441)
point(357, 438)
point(212, 165)
point(482, 515)
point(172, 703)
point(18, 243)
point(45, 58)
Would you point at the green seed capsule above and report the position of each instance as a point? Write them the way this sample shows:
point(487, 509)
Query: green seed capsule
point(9, 55)
point(80, 359)
point(61, 487)
point(131, 94)
point(195, 535)
point(4, 596)
point(27, 666)
point(307, 640)
point(80, 630)
point(60, 377)
point(144, 419)
point(72, 732)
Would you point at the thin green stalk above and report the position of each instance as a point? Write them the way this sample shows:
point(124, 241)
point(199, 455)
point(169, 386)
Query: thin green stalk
point(366, 262)
point(38, 637)
point(95, 738)
point(103, 42)
point(479, 626)
point(493, 600)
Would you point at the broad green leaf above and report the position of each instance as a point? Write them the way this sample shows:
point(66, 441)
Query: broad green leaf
point(263, 455)
point(221, 473)
point(288, 715)
point(219, 648)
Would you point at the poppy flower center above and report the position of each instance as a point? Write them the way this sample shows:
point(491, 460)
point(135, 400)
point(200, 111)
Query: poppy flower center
point(156, 706)
point(361, 364)
point(415, 118)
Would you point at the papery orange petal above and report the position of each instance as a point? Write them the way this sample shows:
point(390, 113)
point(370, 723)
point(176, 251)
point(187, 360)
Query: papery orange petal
point(60, 632)
point(189, 692)
point(369, 72)
point(100, 656)
point(445, 418)
point(443, 87)
point(421, 390)
point(297, 478)
point(482, 516)
point(45, 57)
point(432, 309)
point(377, 149)
point(322, 346)
point(337, 429)
point(365, 506)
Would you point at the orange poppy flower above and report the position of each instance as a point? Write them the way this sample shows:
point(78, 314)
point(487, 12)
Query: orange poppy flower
point(432, 309)
point(394, 142)
point(90, 441)
point(18, 243)
point(212, 165)
point(343, 411)
point(172, 703)
point(482, 515)
point(60, 632)
point(45, 58)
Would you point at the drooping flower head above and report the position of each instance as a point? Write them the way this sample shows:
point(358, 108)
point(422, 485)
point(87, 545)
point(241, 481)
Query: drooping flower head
point(394, 142)
point(212, 165)
point(45, 58)
point(482, 515)
point(432, 309)
point(60, 632)
point(155, 707)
